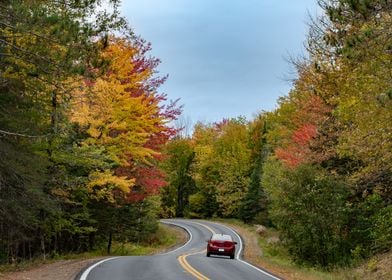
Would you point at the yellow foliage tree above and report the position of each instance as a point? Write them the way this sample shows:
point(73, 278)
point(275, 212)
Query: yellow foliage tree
point(120, 111)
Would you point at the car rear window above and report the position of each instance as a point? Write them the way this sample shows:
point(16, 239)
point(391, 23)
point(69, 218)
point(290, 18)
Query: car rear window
point(221, 237)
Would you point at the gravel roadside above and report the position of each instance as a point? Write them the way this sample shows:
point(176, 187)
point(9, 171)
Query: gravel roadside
point(69, 269)
point(61, 270)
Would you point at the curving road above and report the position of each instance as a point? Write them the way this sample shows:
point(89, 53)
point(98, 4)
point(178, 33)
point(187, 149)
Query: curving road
point(186, 262)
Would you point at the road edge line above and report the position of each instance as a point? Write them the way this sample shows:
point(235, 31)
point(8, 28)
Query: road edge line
point(180, 226)
point(91, 267)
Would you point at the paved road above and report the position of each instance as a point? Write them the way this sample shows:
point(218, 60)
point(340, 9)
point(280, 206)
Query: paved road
point(186, 262)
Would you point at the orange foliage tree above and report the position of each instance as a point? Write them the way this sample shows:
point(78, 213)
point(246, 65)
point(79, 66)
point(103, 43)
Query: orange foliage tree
point(123, 113)
point(310, 112)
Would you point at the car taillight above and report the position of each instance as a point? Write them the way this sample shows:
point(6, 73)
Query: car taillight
point(221, 243)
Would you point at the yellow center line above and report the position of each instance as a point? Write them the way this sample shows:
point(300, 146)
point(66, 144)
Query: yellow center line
point(207, 227)
point(183, 262)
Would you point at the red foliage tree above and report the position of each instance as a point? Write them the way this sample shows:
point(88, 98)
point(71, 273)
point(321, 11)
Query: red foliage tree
point(310, 113)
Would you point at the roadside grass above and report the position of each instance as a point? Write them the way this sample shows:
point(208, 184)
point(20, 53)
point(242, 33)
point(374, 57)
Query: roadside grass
point(264, 251)
point(275, 253)
point(377, 267)
point(166, 238)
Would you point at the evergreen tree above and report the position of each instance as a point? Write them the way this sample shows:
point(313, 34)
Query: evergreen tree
point(255, 200)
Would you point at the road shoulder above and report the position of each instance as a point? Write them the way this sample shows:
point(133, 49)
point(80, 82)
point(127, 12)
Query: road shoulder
point(59, 270)
point(70, 269)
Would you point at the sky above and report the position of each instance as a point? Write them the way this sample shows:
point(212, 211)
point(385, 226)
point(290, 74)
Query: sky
point(224, 58)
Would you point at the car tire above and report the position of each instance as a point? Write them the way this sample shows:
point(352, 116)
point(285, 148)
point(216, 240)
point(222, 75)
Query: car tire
point(208, 254)
point(231, 256)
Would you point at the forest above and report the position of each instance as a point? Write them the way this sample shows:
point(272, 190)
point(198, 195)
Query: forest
point(319, 167)
point(82, 126)
point(89, 153)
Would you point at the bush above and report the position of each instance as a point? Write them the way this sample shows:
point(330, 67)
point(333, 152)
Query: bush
point(203, 203)
point(382, 230)
point(309, 207)
point(196, 206)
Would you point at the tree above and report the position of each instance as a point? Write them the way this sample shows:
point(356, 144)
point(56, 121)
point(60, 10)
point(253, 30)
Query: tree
point(43, 46)
point(121, 116)
point(356, 41)
point(254, 202)
point(179, 159)
point(81, 114)
point(309, 207)
point(121, 113)
point(222, 164)
point(334, 121)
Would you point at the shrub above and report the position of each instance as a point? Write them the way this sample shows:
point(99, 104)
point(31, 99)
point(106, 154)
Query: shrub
point(196, 206)
point(382, 230)
point(309, 207)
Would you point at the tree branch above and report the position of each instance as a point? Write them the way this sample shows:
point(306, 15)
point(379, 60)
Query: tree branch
point(22, 135)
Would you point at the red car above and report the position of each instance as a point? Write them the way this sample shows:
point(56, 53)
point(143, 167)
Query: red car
point(221, 244)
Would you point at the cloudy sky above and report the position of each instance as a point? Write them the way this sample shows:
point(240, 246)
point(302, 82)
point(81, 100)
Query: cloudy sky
point(225, 58)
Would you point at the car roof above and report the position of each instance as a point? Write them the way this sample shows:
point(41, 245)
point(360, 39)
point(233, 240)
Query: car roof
point(220, 236)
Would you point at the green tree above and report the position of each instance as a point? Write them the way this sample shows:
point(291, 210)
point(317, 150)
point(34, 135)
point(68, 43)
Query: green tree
point(222, 163)
point(254, 202)
point(351, 48)
point(309, 207)
point(203, 204)
point(175, 196)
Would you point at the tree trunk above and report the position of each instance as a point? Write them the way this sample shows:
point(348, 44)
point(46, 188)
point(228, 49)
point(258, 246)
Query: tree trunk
point(43, 246)
point(109, 243)
point(91, 241)
point(24, 244)
point(30, 255)
point(179, 208)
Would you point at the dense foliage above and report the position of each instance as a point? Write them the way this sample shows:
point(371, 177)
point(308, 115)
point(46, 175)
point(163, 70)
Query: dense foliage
point(85, 150)
point(320, 170)
point(81, 129)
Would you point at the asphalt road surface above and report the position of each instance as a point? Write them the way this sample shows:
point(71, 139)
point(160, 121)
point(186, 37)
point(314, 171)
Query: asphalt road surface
point(186, 262)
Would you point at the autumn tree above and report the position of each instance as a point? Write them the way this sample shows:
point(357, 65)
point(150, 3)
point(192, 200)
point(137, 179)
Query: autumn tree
point(334, 123)
point(221, 165)
point(356, 34)
point(43, 46)
point(205, 172)
point(123, 119)
point(81, 115)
